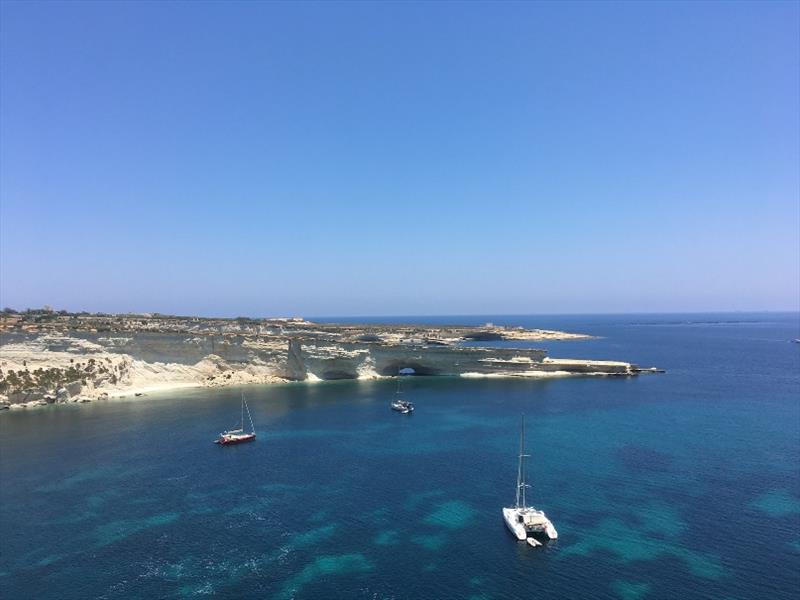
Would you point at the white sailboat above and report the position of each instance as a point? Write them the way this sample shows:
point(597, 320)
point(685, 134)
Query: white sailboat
point(522, 519)
point(237, 436)
point(399, 404)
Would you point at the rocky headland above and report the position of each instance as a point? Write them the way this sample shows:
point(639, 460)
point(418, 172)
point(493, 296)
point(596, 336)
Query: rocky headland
point(48, 357)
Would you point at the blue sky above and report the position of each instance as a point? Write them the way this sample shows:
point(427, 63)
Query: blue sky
point(409, 158)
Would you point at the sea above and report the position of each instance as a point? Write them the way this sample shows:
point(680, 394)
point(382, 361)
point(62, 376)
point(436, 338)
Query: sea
point(678, 485)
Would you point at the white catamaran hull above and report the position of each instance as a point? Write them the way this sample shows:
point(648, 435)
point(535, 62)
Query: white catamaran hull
point(521, 522)
point(514, 526)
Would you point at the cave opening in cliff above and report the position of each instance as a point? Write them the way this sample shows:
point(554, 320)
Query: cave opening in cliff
point(408, 370)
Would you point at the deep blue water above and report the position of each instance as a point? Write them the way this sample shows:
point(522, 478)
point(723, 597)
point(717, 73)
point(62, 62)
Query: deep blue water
point(682, 485)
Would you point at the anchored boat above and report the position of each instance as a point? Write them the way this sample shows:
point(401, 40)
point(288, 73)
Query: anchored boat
point(522, 519)
point(403, 406)
point(237, 436)
point(399, 404)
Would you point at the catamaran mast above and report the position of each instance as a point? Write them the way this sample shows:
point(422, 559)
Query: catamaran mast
point(521, 485)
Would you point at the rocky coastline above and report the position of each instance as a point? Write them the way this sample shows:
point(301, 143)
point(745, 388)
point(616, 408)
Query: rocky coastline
point(56, 358)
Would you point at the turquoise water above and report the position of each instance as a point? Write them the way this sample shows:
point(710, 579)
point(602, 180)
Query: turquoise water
point(682, 485)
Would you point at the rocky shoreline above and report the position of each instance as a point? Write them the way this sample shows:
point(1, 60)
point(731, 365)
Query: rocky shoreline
point(72, 359)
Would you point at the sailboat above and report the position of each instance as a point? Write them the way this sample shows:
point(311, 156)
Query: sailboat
point(237, 436)
point(399, 404)
point(522, 519)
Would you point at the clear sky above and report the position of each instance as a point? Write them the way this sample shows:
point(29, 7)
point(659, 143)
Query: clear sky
point(412, 158)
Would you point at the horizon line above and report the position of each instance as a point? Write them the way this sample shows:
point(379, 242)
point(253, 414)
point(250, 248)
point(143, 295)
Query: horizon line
point(313, 318)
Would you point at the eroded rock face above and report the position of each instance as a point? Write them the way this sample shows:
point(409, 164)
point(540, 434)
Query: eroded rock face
point(344, 362)
point(65, 368)
point(295, 369)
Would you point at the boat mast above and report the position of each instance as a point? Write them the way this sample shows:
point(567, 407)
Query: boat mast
point(243, 411)
point(249, 416)
point(521, 485)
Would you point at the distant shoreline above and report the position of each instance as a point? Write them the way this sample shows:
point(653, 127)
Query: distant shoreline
point(53, 358)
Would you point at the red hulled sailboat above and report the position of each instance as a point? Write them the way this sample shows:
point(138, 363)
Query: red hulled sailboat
point(238, 436)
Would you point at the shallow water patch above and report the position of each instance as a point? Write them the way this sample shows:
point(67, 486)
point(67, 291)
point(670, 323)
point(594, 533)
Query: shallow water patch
point(453, 515)
point(50, 559)
point(323, 567)
point(309, 538)
point(661, 518)
point(629, 545)
point(432, 542)
point(387, 538)
point(252, 509)
point(115, 531)
point(414, 501)
point(777, 503)
point(630, 590)
point(92, 507)
point(707, 566)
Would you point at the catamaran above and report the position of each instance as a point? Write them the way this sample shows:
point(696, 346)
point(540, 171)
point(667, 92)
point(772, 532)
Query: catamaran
point(402, 406)
point(237, 436)
point(522, 519)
